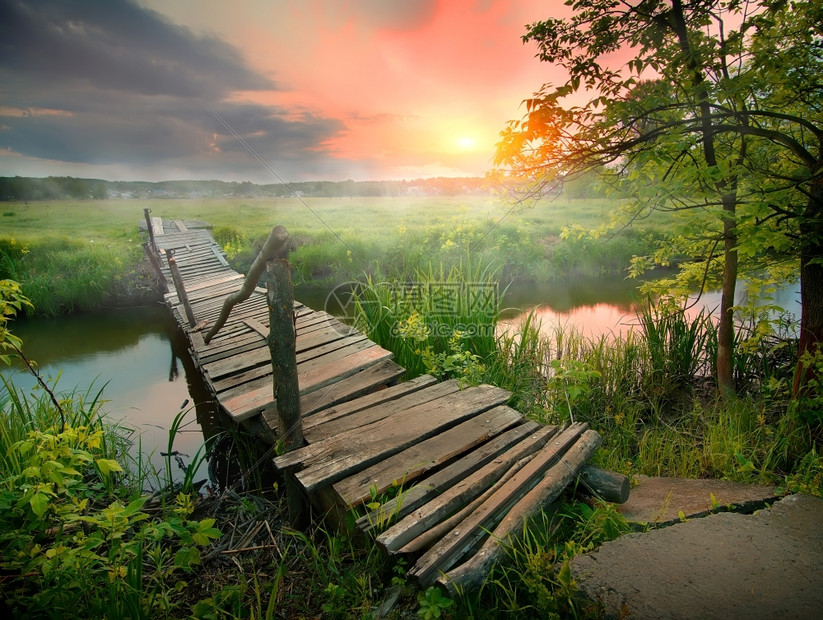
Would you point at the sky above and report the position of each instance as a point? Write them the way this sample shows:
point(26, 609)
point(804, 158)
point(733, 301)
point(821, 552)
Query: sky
point(262, 91)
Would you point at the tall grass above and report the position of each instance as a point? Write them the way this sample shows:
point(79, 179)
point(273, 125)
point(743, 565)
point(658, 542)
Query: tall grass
point(441, 322)
point(649, 392)
point(61, 275)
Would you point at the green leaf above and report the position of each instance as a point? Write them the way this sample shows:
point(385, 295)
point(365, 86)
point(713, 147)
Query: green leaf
point(186, 557)
point(107, 466)
point(134, 506)
point(39, 503)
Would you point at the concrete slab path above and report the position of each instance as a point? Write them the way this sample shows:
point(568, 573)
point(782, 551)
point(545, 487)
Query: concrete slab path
point(726, 565)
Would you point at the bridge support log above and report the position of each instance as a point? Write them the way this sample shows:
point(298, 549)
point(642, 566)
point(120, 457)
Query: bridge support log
point(604, 484)
point(155, 263)
point(150, 228)
point(182, 296)
point(282, 344)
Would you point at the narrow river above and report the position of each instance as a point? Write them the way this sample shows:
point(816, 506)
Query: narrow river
point(139, 360)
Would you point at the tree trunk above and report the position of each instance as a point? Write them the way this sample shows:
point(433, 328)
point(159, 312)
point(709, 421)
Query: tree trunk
point(727, 189)
point(725, 328)
point(811, 286)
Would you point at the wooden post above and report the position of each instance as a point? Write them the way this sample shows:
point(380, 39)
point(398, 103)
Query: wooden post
point(150, 228)
point(181, 289)
point(282, 344)
point(155, 263)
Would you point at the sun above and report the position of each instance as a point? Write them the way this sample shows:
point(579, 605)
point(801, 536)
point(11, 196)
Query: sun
point(466, 142)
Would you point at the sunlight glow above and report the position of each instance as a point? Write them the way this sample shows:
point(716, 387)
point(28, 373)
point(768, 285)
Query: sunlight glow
point(466, 142)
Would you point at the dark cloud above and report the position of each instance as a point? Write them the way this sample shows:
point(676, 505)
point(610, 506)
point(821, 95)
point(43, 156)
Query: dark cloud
point(115, 44)
point(109, 82)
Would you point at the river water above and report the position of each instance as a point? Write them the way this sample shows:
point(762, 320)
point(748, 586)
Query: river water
point(139, 359)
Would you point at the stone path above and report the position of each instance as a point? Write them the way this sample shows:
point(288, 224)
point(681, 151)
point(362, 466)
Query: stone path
point(728, 565)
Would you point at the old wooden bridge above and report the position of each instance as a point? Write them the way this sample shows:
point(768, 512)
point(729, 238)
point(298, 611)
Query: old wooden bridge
point(463, 469)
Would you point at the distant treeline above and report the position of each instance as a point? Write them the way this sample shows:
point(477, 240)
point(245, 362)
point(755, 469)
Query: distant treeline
point(53, 188)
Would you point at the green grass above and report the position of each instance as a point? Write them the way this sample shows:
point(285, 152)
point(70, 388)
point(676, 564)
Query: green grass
point(89, 255)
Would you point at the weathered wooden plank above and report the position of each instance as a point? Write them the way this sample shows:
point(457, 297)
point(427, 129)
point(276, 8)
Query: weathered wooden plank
point(427, 539)
point(219, 254)
point(364, 385)
point(471, 574)
point(366, 417)
point(443, 479)
point(257, 326)
point(444, 555)
point(411, 463)
point(181, 226)
point(383, 410)
point(381, 397)
point(213, 289)
point(157, 226)
point(261, 356)
point(365, 446)
point(463, 492)
point(250, 399)
point(353, 386)
point(225, 279)
point(357, 345)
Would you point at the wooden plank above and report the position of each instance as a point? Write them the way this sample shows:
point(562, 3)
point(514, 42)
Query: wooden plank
point(368, 416)
point(157, 226)
point(228, 277)
point(219, 254)
point(256, 326)
point(181, 226)
point(347, 390)
point(372, 414)
point(358, 384)
point(440, 507)
point(261, 355)
point(411, 463)
point(356, 345)
point(249, 400)
point(442, 480)
point(349, 452)
point(444, 555)
point(427, 539)
point(470, 575)
point(381, 397)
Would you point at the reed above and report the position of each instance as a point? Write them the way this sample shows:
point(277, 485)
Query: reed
point(441, 322)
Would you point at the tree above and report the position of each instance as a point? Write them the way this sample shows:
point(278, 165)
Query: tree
point(699, 135)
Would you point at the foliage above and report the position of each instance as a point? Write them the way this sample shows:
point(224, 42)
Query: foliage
point(716, 118)
point(12, 301)
point(441, 322)
point(536, 579)
point(433, 604)
point(76, 543)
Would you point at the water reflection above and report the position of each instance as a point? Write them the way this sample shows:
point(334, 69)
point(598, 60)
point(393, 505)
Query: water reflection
point(596, 307)
point(133, 357)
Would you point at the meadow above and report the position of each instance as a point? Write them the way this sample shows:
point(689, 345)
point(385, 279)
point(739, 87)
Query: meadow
point(81, 255)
